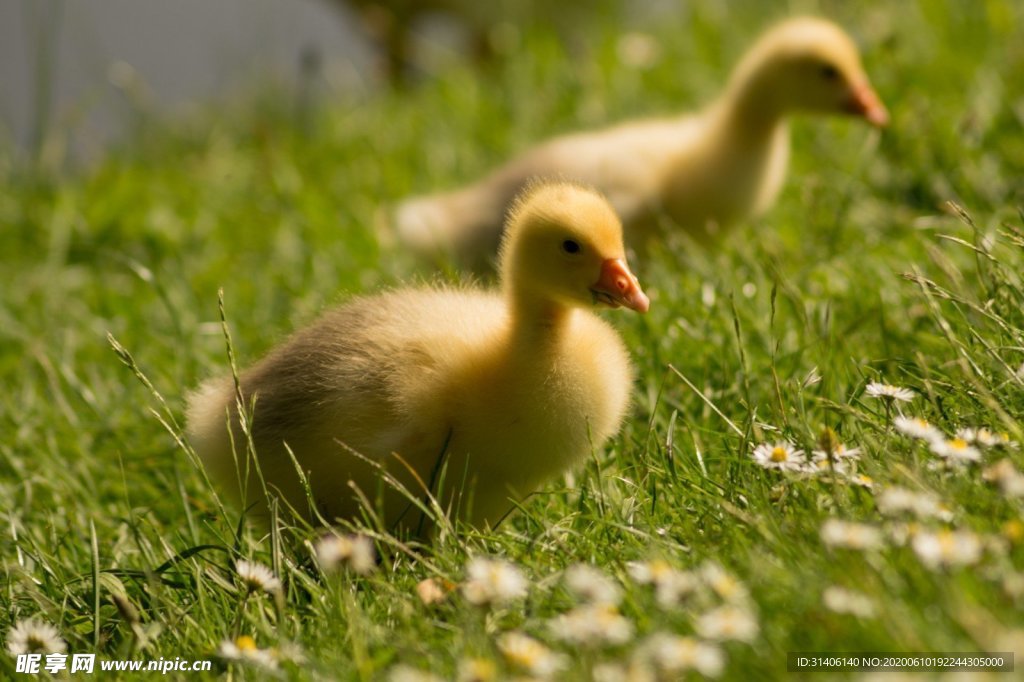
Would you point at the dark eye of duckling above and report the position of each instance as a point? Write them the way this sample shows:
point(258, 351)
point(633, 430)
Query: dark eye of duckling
point(571, 246)
point(829, 72)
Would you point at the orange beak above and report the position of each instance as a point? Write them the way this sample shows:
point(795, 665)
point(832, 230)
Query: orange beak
point(864, 102)
point(618, 286)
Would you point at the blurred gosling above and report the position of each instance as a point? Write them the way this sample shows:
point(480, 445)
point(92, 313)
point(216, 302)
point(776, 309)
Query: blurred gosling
point(704, 172)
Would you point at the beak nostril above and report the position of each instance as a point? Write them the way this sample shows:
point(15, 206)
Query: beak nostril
point(618, 286)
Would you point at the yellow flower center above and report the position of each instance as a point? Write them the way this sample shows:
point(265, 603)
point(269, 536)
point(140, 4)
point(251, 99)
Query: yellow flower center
point(246, 643)
point(958, 443)
point(527, 655)
point(779, 454)
point(480, 670)
point(1013, 530)
point(36, 645)
point(726, 586)
point(660, 569)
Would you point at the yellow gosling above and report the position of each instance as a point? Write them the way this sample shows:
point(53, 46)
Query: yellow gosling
point(501, 390)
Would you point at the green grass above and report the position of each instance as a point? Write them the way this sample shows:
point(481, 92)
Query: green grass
point(861, 272)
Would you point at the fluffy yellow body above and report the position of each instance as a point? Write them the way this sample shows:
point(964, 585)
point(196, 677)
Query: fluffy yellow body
point(499, 391)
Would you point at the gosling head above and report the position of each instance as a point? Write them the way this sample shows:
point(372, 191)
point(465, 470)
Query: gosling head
point(563, 244)
point(811, 65)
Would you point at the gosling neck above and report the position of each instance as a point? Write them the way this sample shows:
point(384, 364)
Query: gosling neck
point(536, 319)
point(749, 110)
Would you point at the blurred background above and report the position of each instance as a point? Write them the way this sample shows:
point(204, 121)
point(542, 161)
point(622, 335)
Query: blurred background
point(201, 138)
point(86, 68)
point(84, 71)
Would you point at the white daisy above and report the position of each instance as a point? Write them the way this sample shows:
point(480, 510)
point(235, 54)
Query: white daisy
point(782, 456)
point(648, 572)
point(947, 548)
point(863, 480)
point(899, 534)
point(889, 392)
point(244, 650)
point(850, 535)
point(493, 581)
point(527, 654)
point(477, 670)
point(34, 636)
point(675, 654)
point(955, 450)
point(1007, 477)
point(592, 586)
point(821, 464)
point(290, 651)
point(1013, 585)
point(728, 623)
point(986, 438)
point(406, 673)
point(355, 552)
point(635, 671)
point(256, 577)
point(839, 451)
point(895, 500)
point(915, 427)
point(724, 584)
point(841, 600)
point(592, 624)
point(828, 442)
point(670, 584)
point(433, 590)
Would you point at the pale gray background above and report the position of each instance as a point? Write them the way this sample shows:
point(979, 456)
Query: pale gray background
point(181, 50)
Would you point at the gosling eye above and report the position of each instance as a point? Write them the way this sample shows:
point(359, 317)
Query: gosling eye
point(571, 247)
point(829, 72)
